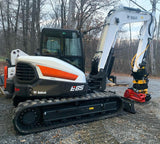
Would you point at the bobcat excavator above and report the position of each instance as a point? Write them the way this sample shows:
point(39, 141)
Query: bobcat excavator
point(51, 90)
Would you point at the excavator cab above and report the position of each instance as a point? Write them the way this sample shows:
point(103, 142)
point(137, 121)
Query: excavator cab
point(63, 44)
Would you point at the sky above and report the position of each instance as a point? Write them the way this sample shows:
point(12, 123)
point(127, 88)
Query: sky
point(136, 27)
point(144, 3)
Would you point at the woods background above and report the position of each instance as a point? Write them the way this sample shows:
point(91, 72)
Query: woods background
point(21, 22)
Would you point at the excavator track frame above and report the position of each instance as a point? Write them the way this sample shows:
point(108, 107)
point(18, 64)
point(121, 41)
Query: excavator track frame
point(38, 115)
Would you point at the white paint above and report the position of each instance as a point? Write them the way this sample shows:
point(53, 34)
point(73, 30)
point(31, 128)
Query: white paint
point(11, 72)
point(112, 27)
point(55, 63)
point(15, 54)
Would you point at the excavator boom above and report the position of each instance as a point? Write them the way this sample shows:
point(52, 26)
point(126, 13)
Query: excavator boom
point(103, 60)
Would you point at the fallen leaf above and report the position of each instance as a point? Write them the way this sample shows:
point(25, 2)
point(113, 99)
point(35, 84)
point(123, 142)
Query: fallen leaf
point(22, 140)
point(57, 135)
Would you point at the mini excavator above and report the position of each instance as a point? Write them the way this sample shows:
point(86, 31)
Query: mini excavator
point(51, 90)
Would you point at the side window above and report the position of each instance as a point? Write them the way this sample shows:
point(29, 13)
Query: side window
point(72, 46)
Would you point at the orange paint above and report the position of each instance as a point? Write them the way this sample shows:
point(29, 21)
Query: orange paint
point(51, 72)
point(5, 76)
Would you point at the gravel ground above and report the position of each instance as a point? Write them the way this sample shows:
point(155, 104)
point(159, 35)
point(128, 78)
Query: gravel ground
point(139, 128)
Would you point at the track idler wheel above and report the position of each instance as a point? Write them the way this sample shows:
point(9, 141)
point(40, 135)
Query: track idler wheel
point(29, 118)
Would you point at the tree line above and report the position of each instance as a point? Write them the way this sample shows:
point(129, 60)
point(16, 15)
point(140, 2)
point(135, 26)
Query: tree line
point(21, 22)
point(20, 25)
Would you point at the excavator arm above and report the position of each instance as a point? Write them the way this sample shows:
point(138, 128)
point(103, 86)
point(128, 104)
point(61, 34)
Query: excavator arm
point(139, 90)
point(103, 60)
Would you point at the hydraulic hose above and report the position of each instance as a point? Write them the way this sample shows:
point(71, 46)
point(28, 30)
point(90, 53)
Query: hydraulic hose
point(137, 57)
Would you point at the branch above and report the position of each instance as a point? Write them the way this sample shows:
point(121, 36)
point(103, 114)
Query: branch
point(93, 28)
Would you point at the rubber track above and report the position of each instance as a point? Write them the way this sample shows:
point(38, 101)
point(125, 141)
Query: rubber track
point(31, 104)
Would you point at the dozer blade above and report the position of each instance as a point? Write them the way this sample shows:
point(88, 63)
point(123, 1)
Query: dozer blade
point(128, 105)
point(39, 115)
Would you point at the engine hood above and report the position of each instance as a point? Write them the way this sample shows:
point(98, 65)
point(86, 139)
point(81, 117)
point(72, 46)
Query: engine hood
point(53, 63)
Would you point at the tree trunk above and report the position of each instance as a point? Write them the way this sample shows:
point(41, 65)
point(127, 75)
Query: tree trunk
point(71, 15)
point(8, 38)
point(152, 56)
point(37, 22)
point(16, 25)
point(23, 7)
point(62, 13)
point(4, 29)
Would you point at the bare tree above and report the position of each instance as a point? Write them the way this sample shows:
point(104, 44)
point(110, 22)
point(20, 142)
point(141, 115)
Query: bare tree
point(30, 11)
point(77, 14)
point(38, 10)
point(20, 22)
point(33, 36)
point(71, 23)
point(9, 18)
point(16, 23)
point(152, 55)
point(63, 13)
point(25, 10)
point(88, 10)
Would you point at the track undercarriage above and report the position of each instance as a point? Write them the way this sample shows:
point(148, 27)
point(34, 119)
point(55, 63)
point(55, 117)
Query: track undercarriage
point(38, 115)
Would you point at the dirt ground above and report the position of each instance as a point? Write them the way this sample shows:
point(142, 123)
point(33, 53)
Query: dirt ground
point(140, 128)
